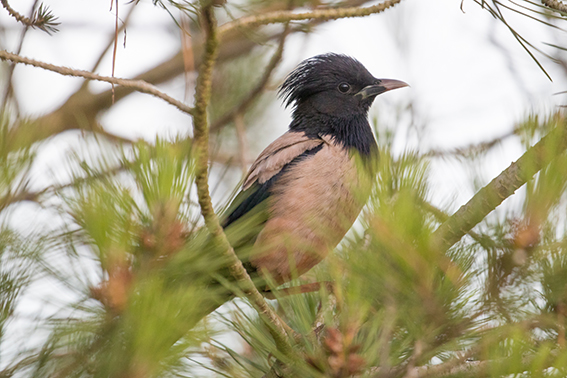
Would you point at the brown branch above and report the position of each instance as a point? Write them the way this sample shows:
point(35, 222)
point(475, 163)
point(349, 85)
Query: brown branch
point(201, 144)
point(318, 14)
point(12, 198)
point(15, 14)
point(42, 19)
point(502, 187)
point(257, 90)
point(556, 5)
point(137, 85)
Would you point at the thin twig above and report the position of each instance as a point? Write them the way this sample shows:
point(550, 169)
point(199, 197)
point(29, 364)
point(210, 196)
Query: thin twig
point(318, 14)
point(110, 43)
point(502, 187)
point(138, 85)
point(9, 92)
point(201, 144)
point(187, 53)
point(115, 47)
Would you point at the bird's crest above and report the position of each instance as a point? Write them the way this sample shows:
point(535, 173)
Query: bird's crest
point(319, 73)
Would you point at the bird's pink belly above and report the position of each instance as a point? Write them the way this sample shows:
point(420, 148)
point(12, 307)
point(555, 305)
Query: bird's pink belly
point(311, 211)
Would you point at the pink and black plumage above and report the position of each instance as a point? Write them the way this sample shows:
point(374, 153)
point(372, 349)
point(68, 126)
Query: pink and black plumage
point(307, 184)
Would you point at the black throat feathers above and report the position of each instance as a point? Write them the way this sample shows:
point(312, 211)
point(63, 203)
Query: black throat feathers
point(352, 131)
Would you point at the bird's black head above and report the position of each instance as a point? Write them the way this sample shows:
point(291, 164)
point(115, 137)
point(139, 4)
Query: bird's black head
point(333, 84)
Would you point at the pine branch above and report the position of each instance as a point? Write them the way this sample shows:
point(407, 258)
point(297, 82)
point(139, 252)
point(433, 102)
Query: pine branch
point(556, 5)
point(42, 19)
point(502, 187)
point(201, 144)
point(319, 14)
point(138, 85)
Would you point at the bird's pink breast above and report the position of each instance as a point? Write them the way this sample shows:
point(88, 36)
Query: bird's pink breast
point(312, 207)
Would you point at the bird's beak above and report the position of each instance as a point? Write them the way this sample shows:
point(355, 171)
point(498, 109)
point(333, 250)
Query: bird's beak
point(382, 85)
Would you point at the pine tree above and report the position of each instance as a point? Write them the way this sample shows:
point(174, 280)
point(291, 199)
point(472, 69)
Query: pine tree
point(414, 290)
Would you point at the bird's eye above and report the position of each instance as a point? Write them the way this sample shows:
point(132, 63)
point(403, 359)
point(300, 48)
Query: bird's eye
point(343, 87)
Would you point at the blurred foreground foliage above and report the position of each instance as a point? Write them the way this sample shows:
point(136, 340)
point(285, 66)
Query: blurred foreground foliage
point(130, 250)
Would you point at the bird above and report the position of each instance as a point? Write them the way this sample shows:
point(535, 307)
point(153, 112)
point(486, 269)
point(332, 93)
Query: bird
point(306, 189)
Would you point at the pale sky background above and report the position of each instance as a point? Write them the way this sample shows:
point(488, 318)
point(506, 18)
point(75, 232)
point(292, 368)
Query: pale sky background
point(458, 65)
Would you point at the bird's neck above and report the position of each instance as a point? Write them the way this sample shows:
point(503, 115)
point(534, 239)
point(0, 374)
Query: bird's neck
point(352, 131)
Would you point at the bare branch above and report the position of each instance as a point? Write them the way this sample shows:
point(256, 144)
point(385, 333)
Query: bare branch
point(318, 14)
point(138, 85)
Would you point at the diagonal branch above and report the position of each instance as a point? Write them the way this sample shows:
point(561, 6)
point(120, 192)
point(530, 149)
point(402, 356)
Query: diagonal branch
point(201, 144)
point(138, 85)
point(318, 14)
point(502, 187)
